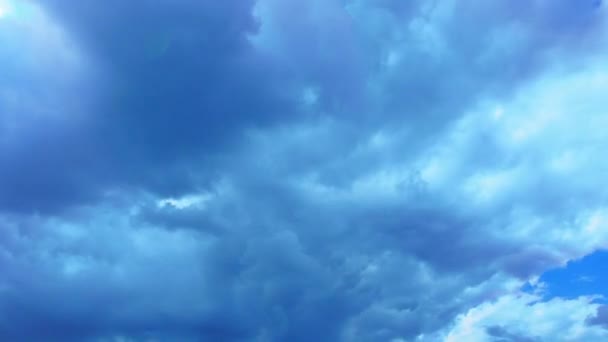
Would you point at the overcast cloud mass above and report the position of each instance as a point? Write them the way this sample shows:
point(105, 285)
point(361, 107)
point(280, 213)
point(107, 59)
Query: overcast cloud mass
point(303, 170)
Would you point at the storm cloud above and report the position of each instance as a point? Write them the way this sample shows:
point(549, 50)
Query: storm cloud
point(344, 170)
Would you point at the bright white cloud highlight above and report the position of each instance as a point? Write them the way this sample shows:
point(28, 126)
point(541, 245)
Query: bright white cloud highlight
point(527, 317)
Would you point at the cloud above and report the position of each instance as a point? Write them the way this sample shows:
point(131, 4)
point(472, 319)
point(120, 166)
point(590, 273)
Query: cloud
point(183, 81)
point(599, 319)
point(527, 318)
point(502, 334)
point(300, 170)
point(188, 79)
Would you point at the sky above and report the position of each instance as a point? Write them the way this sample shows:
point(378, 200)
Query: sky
point(303, 170)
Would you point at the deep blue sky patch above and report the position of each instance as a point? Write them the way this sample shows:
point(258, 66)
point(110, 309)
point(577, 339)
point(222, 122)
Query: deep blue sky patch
point(583, 277)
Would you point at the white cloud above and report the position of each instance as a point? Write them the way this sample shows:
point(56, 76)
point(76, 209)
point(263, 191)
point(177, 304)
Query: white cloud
point(526, 315)
point(185, 202)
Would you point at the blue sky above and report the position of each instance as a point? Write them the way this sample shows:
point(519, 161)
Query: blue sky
point(303, 170)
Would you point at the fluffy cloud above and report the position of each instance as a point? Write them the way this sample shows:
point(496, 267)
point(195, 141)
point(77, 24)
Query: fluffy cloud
point(299, 170)
point(525, 318)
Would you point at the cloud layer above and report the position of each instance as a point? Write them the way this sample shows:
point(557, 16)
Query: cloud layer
point(361, 170)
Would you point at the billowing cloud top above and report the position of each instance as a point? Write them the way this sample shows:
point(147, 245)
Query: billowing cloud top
point(301, 170)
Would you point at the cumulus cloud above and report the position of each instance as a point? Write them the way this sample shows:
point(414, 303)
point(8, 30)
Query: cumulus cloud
point(299, 170)
point(525, 318)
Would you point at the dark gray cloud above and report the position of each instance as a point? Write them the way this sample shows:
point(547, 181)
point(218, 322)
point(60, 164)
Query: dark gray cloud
point(501, 334)
point(179, 81)
point(600, 318)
